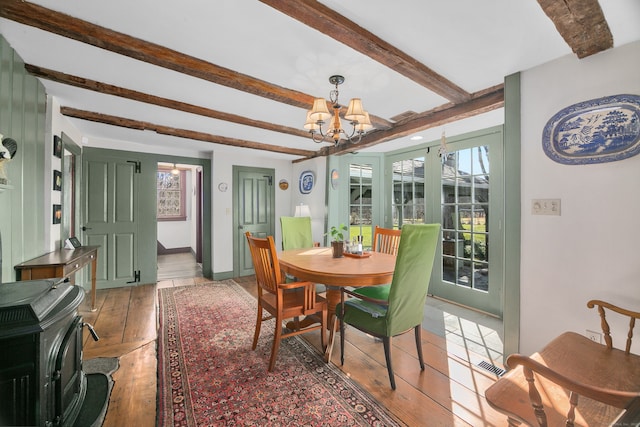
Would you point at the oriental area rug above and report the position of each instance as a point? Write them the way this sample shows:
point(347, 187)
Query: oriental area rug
point(209, 376)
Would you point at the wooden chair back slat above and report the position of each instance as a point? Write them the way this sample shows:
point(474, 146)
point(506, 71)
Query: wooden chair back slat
point(386, 240)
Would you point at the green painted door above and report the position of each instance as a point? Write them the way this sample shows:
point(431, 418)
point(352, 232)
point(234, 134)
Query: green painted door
point(254, 210)
point(110, 215)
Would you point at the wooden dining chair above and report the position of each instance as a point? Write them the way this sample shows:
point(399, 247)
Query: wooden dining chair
point(403, 310)
point(280, 304)
point(385, 240)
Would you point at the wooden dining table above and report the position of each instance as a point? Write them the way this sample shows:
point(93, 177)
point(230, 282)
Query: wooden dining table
point(319, 266)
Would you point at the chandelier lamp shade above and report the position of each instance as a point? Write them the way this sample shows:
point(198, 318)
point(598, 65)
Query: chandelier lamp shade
point(319, 115)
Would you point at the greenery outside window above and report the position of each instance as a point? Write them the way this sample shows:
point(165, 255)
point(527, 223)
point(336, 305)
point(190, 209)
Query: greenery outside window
point(171, 195)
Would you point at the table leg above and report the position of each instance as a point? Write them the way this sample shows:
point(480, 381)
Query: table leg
point(94, 266)
point(333, 298)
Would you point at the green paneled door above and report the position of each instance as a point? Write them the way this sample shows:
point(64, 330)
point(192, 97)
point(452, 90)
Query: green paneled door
point(254, 211)
point(111, 217)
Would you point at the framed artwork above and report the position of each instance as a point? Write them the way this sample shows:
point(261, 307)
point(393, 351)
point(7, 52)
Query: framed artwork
point(57, 180)
point(171, 195)
point(57, 146)
point(596, 131)
point(57, 214)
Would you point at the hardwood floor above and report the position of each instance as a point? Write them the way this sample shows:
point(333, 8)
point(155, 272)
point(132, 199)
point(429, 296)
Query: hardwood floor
point(450, 392)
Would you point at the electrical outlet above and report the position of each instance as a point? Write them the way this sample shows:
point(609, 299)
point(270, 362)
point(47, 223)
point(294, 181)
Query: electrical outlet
point(545, 206)
point(594, 336)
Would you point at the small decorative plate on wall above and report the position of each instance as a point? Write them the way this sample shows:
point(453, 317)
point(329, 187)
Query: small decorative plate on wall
point(283, 184)
point(307, 180)
point(335, 178)
point(595, 131)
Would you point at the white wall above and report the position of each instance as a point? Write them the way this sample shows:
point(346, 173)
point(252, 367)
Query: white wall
point(591, 250)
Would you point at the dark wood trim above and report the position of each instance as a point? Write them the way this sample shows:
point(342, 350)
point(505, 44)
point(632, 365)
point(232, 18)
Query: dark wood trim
point(329, 22)
point(581, 23)
point(481, 103)
point(182, 133)
point(108, 89)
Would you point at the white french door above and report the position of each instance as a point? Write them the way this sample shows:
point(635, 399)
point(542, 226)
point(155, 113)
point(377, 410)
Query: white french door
point(463, 191)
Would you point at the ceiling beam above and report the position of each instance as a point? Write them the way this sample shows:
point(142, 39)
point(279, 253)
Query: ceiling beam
point(67, 26)
point(481, 102)
point(181, 133)
point(108, 89)
point(581, 23)
point(338, 27)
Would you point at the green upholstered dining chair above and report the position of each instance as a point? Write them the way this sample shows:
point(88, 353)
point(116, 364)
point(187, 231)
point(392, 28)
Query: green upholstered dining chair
point(296, 232)
point(403, 310)
point(385, 240)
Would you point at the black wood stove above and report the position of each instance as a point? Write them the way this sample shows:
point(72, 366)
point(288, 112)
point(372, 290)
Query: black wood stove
point(41, 377)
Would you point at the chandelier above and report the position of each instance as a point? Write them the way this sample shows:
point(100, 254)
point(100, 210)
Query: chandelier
point(319, 114)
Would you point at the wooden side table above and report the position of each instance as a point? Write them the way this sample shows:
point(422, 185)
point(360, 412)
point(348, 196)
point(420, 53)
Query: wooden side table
point(62, 263)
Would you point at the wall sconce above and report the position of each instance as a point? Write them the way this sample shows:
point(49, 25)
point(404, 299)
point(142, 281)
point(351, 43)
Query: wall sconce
point(302, 210)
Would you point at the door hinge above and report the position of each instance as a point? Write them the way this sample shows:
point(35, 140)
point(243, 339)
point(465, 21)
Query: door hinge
point(137, 164)
point(269, 179)
point(136, 277)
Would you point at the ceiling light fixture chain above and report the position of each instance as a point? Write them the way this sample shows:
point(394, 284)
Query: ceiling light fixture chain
point(319, 114)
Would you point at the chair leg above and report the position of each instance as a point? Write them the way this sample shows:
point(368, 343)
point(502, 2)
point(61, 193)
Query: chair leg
point(256, 334)
point(342, 339)
point(419, 346)
point(277, 336)
point(386, 342)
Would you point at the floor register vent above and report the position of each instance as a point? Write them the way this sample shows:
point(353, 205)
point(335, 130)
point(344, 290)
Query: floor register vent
point(492, 368)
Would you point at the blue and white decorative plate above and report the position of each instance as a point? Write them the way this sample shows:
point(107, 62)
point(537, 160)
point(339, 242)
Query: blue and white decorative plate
point(595, 131)
point(307, 180)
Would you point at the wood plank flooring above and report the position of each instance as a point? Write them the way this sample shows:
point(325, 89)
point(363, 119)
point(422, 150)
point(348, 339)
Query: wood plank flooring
point(450, 392)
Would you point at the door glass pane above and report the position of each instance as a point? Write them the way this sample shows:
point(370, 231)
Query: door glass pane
point(407, 206)
point(360, 203)
point(465, 211)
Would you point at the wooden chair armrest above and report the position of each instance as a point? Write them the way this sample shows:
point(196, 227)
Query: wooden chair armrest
point(365, 298)
point(612, 397)
point(296, 285)
point(633, 315)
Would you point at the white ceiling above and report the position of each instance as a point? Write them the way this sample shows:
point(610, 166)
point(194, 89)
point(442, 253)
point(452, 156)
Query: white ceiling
point(473, 43)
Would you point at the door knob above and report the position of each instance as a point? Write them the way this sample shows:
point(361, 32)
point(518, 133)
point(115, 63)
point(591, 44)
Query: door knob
point(241, 227)
point(85, 228)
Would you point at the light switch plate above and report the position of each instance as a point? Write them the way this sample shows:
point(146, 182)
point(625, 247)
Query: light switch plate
point(545, 206)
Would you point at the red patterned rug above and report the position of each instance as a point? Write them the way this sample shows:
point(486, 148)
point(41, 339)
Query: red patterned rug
point(208, 374)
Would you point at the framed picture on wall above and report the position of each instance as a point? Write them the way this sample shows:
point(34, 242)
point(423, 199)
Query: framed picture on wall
point(57, 214)
point(57, 180)
point(57, 146)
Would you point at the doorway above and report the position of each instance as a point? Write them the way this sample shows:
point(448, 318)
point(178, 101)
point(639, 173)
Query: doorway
point(179, 220)
point(463, 191)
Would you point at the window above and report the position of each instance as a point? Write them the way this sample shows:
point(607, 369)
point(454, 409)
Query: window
point(407, 204)
point(171, 195)
point(360, 202)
